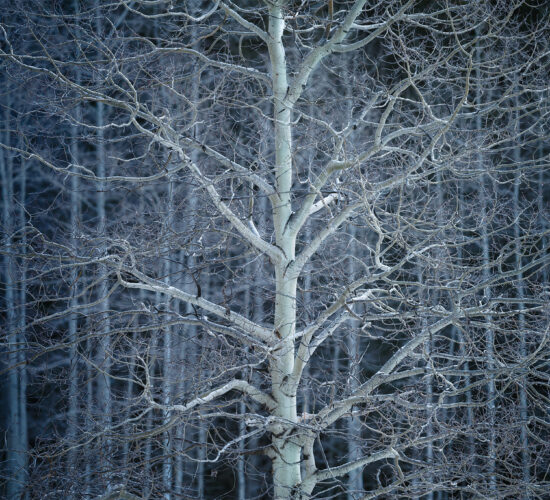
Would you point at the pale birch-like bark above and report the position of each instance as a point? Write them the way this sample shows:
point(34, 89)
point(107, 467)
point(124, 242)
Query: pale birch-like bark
point(73, 396)
point(167, 371)
point(15, 447)
point(522, 330)
point(22, 329)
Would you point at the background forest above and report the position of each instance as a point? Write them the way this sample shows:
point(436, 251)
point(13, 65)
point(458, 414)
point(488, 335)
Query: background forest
point(274, 249)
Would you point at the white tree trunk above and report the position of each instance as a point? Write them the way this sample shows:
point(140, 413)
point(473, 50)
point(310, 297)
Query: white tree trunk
point(524, 437)
point(489, 346)
point(167, 355)
point(72, 412)
point(89, 450)
point(241, 473)
point(22, 327)
point(355, 479)
point(15, 448)
point(287, 455)
point(182, 354)
point(430, 409)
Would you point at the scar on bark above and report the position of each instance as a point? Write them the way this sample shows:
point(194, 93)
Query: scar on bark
point(330, 14)
point(287, 266)
point(199, 290)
